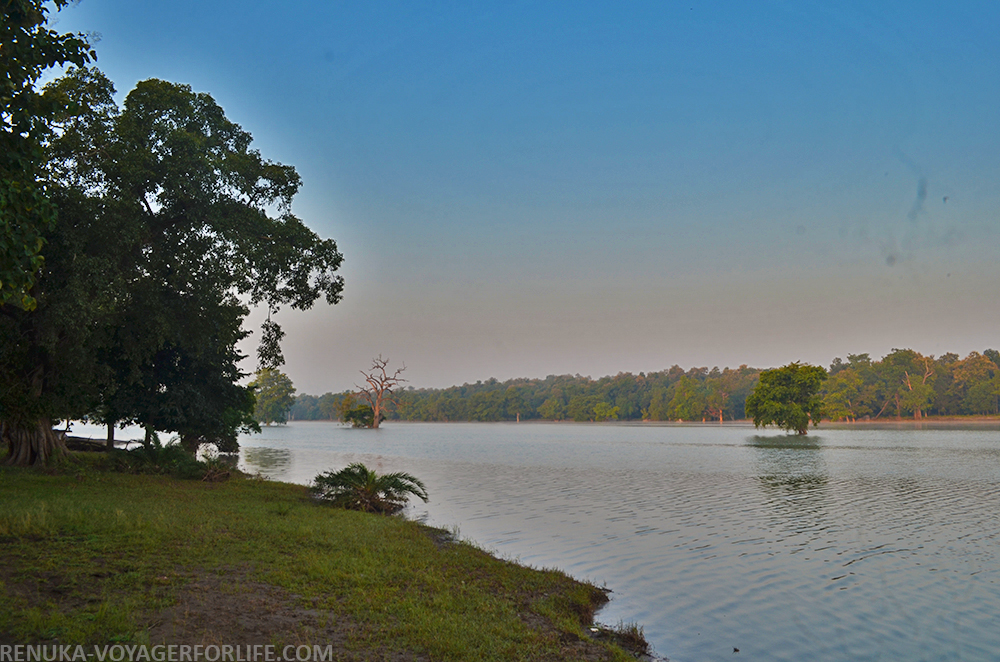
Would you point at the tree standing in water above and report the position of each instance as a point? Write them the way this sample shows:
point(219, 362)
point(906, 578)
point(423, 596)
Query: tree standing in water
point(380, 385)
point(275, 396)
point(787, 397)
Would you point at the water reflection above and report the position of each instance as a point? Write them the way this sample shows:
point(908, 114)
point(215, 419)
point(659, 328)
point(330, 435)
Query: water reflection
point(794, 479)
point(230, 460)
point(787, 441)
point(793, 464)
point(850, 545)
point(274, 462)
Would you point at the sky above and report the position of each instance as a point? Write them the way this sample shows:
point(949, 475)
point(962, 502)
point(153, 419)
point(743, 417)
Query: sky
point(530, 188)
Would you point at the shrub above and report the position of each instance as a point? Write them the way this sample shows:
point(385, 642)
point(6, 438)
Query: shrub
point(362, 416)
point(359, 488)
point(156, 458)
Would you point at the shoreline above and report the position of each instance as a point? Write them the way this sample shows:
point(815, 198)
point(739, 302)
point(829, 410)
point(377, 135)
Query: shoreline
point(96, 557)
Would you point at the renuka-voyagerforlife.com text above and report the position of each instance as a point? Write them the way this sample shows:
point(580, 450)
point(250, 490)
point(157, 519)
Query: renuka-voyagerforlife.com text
point(165, 653)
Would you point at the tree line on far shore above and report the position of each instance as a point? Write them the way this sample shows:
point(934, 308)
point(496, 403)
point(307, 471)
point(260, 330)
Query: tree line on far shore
point(904, 383)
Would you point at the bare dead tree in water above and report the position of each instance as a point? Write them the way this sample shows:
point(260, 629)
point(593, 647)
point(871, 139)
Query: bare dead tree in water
point(380, 385)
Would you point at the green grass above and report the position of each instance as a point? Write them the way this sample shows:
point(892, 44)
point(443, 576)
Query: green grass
point(93, 557)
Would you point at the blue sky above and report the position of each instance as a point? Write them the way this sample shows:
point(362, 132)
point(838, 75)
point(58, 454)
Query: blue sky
point(522, 189)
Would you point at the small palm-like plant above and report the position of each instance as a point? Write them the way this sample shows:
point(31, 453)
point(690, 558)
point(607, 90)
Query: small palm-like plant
point(359, 488)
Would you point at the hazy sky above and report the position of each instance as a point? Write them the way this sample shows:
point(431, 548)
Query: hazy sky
point(522, 189)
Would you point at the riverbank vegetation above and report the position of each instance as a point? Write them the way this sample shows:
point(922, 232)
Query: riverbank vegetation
point(357, 487)
point(904, 383)
point(93, 556)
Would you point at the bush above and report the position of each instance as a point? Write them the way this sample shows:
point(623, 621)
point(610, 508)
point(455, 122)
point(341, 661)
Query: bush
point(359, 488)
point(156, 458)
point(361, 416)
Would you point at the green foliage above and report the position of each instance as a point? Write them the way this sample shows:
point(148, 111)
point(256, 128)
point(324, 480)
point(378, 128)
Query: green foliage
point(329, 406)
point(689, 401)
point(629, 636)
point(269, 354)
point(27, 49)
point(275, 396)
point(156, 458)
point(170, 225)
point(787, 397)
point(361, 416)
point(605, 412)
point(561, 397)
point(359, 488)
point(858, 388)
point(976, 381)
point(581, 407)
point(842, 399)
point(908, 379)
point(553, 409)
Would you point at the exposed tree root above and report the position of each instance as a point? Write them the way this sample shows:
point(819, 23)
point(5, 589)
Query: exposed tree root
point(31, 445)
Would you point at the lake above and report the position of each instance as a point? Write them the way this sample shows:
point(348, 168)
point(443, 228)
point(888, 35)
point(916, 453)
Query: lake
point(849, 544)
point(853, 543)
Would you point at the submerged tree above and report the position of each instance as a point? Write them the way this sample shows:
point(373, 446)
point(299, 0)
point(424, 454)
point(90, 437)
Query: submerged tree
point(379, 387)
point(275, 396)
point(787, 397)
point(360, 416)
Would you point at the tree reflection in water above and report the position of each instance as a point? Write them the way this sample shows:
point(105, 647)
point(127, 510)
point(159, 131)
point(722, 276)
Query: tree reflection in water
point(793, 474)
point(274, 462)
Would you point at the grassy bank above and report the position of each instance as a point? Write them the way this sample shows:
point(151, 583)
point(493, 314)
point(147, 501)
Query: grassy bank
point(96, 557)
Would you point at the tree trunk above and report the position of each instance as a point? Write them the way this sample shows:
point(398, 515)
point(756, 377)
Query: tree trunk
point(150, 436)
point(191, 443)
point(111, 436)
point(32, 445)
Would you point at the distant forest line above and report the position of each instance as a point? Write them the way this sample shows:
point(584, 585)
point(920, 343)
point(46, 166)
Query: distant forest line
point(904, 383)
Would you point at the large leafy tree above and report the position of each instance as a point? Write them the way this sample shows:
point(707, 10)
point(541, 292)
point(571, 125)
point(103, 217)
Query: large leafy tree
point(977, 382)
point(275, 396)
point(909, 381)
point(188, 225)
point(841, 399)
point(27, 48)
point(787, 397)
point(689, 401)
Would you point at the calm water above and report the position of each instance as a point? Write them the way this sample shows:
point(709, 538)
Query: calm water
point(852, 544)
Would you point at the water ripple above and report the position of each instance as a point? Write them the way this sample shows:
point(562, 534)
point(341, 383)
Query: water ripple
point(850, 545)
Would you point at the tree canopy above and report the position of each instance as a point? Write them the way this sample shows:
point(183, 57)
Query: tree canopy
point(275, 396)
point(27, 48)
point(858, 388)
point(170, 226)
point(787, 397)
point(625, 396)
